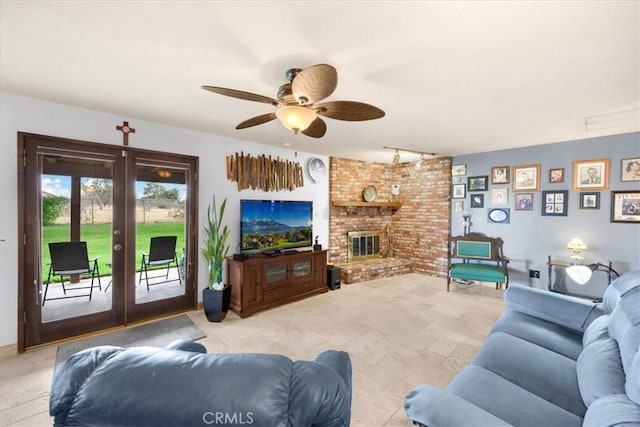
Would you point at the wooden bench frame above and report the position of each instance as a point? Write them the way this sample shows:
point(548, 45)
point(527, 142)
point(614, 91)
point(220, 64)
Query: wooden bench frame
point(479, 250)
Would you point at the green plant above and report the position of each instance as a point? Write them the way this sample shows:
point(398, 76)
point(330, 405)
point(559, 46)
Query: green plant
point(52, 207)
point(215, 243)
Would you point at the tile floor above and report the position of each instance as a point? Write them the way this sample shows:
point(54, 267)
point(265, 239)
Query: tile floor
point(400, 332)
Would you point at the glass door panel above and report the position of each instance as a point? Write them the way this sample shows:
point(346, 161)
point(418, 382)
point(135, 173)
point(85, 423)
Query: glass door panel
point(75, 208)
point(160, 230)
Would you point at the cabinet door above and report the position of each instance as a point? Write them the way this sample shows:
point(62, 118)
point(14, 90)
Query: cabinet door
point(252, 294)
point(301, 268)
point(320, 267)
point(275, 273)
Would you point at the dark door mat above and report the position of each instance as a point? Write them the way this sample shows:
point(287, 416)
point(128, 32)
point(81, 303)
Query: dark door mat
point(156, 334)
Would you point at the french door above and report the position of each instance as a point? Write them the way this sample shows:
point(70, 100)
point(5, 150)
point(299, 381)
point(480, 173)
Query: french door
point(115, 200)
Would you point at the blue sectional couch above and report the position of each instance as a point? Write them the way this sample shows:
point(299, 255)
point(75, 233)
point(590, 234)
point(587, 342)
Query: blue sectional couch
point(184, 386)
point(550, 360)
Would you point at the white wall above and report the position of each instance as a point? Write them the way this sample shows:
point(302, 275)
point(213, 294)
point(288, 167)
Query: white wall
point(19, 113)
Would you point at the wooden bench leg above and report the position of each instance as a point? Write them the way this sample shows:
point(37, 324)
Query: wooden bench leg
point(448, 282)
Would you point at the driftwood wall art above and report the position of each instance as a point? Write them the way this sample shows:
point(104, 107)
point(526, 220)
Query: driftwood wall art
point(264, 173)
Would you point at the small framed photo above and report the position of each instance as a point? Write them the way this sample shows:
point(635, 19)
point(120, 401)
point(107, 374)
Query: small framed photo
point(459, 191)
point(478, 183)
point(526, 178)
point(457, 170)
point(591, 174)
point(625, 206)
point(556, 175)
point(554, 203)
point(477, 200)
point(458, 205)
point(630, 169)
point(524, 201)
point(499, 196)
point(590, 200)
point(500, 175)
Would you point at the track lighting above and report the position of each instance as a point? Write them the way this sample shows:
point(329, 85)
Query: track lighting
point(396, 158)
point(419, 163)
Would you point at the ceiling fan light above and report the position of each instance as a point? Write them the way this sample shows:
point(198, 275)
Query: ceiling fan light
point(296, 118)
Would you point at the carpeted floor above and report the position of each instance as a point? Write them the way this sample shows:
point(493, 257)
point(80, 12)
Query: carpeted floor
point(155, 334)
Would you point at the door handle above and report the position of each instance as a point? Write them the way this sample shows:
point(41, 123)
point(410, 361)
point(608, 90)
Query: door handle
point(117, 247)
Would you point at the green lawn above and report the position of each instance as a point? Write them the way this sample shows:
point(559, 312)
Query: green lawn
point(98, 238)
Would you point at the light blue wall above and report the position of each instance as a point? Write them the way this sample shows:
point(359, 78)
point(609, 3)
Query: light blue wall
point(530, 237)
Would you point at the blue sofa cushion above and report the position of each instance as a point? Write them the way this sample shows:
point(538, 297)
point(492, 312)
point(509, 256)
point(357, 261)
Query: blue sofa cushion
point(542, 372)
point(600, 371)
point(619, 287)
point(507, 401)
point(541, 332)
point(632, 387)
point(597, 330)
point(624, 326)
point(612, 411)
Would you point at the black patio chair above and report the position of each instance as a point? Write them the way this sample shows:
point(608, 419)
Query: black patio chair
point(162, 253)
point(71, 259)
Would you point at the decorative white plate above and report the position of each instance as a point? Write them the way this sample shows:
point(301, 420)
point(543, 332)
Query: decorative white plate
point(370, 193)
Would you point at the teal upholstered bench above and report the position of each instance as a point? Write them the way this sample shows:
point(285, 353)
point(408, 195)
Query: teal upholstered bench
point(481, 259)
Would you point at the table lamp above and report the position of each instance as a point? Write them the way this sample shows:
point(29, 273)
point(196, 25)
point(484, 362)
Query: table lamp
point(577, 246)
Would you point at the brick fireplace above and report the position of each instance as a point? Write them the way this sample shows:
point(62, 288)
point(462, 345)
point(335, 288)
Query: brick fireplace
point(415, 224)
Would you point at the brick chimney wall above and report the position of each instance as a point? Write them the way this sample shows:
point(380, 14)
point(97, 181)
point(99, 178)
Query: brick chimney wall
point(419, 229)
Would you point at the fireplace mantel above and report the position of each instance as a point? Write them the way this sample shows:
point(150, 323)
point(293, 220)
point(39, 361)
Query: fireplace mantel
point(367, 204)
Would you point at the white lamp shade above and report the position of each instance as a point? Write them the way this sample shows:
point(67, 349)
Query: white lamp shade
point(577, 245)
point(296, 118)
point(579, 273)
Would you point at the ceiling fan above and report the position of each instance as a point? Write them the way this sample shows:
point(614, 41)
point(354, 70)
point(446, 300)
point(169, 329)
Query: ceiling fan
point(296, 102)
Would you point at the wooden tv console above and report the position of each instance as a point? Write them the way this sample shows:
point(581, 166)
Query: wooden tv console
point(262, 282)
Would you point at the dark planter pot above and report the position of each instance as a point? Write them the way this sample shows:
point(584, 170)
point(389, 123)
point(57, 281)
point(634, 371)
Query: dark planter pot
point(216, 303)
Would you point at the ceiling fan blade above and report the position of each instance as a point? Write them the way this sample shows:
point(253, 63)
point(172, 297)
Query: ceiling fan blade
point(257, 120)
point(316, 129)
point(348, 110)
point(247, 96)
point(314, 83)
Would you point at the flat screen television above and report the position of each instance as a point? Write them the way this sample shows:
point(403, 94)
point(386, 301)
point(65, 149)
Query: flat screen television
point(274, 226)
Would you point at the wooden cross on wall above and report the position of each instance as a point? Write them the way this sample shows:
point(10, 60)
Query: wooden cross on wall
point(126, 130)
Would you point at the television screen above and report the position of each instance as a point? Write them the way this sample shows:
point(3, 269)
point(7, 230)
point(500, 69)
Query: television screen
point(275, 225)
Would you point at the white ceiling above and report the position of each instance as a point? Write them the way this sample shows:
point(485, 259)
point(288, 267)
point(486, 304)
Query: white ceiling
point(453, 77)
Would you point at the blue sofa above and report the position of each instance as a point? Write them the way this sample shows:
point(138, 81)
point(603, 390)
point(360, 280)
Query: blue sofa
point(184, 386)
point(550, 360)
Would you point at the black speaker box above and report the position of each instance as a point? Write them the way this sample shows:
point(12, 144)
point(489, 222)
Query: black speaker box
point(333, 278)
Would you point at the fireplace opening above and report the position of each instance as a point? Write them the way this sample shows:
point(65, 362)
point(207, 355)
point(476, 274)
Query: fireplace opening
point(364, 245)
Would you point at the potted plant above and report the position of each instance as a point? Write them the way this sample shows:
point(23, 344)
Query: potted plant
point(217, 295)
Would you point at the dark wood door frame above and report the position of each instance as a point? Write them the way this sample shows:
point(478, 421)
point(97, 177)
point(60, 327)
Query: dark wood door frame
point(29, 227)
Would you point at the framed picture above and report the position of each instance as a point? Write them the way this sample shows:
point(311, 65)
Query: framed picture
point(459, 191)
point(478, 183)
point(500, 175)
point(630, 169)
point(591, 174)
point(526, 178)
point(556, 175)
point(477, 200)
point(625, 206)
point(590, 200)
point(457, 170)
point(554, 203)
point(524, 201)
point(499, 196)
point(458, 205)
